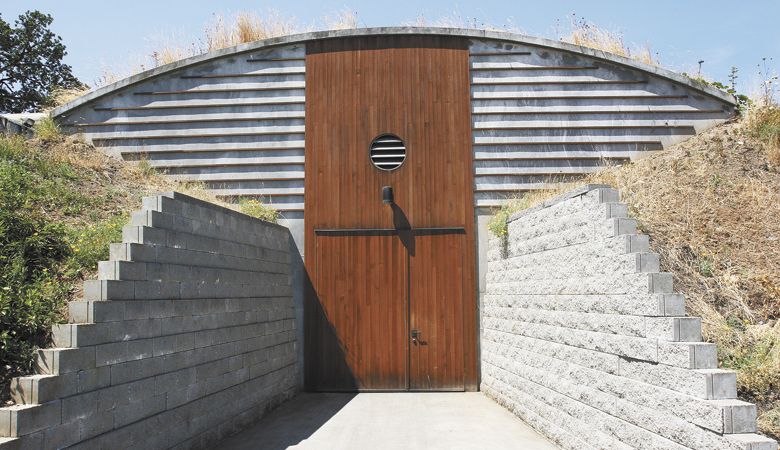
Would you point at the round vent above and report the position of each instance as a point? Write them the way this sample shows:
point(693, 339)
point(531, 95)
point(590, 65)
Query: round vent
point(387, 152)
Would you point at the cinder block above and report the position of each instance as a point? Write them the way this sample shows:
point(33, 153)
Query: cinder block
point(619, 226)
point(81, 407)
point(738, 416)
point(111, 353)
point(635, 243)
point(133, 252)
point(93, 379)
point(660, 283)
point(8, 443)
point(107, 311)
point(683, 329)
point(723, 383)
point(53, 361)
point(615, 210)
point(95, 425)
point(691, 355)
point(138, 310)
point(37, 389)
point(750, 441)
point(132, 412)
point(60, 436)
point(648, 262)
point(607, 195)
point(143, 235)
point(672, 304)
point(121, 270)
point(21, 420)
point(156, 290)
point(78, 312)
point(102, 290)
point(120, 356)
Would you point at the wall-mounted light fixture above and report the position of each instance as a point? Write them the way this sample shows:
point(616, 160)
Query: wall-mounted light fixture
point(387, 195)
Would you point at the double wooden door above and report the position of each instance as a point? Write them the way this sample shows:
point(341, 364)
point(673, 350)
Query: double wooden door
point(392, 304)
point(377, 272)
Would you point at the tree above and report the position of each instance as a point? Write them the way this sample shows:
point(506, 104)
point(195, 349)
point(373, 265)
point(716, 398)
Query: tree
point(31, 63)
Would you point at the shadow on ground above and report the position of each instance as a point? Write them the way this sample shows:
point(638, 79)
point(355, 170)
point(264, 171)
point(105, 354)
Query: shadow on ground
point(290, 424)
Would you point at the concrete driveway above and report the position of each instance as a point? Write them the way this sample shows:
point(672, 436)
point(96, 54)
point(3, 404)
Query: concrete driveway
point(378, 421)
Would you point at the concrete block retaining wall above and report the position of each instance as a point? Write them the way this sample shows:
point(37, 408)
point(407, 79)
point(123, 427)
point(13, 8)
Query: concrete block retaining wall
point(187, 336)
point(584, 338)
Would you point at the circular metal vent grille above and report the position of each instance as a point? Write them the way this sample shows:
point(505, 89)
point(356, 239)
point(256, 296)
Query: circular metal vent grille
point(387, 152)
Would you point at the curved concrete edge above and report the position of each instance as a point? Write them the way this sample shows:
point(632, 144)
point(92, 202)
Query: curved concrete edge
point(331, 34)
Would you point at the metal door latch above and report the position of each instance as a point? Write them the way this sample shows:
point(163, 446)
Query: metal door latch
point(415, 335)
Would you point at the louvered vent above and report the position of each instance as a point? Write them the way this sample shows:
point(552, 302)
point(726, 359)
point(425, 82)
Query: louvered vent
point(388, 152)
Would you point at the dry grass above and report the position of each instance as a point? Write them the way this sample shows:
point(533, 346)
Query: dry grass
point(763, 121)
point(128, 181)
point(219, 32)
point(246, 27)
point(710, 206)
point(458, 20)
point(60, 96)
point(588, 34)
point(345, 19)
point(769, 422)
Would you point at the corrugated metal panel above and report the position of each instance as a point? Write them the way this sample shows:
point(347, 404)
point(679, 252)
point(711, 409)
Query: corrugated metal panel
point(236, 125)
point(542, 116)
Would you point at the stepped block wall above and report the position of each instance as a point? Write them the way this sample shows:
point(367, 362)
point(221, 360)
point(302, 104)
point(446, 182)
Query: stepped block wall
point(187, 336)
point(584, 338)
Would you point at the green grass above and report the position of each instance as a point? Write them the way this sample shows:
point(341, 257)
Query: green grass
point(753, 351)
point(47, 130)
point(259, 210)
point(498, 224)
point(764, 123)
point(50, 239)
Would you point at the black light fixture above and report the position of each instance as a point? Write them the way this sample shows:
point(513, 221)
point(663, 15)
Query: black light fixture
point(387, 195)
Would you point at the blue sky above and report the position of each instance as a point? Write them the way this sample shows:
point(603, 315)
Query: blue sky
point(117, 35)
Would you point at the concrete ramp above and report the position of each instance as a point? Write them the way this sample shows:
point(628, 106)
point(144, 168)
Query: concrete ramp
point(380, 421)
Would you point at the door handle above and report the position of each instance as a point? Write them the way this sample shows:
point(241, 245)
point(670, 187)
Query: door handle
point(415, 336)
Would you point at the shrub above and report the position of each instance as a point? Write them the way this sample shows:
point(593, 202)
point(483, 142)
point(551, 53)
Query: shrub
point(145, 168)
point(32, 293)
point(45, 247)
point(47, 130)
point(259, 210)
point(764, 123)
point(90, 243)
point(499, 222)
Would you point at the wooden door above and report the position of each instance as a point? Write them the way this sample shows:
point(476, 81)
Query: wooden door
point(436, 293)
point(362, 287)
point(417, 88)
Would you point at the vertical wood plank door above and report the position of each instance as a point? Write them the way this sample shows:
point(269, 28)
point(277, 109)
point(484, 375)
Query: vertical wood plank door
point(414, 87)
point(436, 293)
point(362, 284)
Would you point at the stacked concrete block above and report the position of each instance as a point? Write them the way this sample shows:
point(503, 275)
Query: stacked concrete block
point(187, 336)
point(584, 338)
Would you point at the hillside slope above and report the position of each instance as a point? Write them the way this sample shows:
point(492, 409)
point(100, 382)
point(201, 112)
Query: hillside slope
point(711, 206)
point(62, 202)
